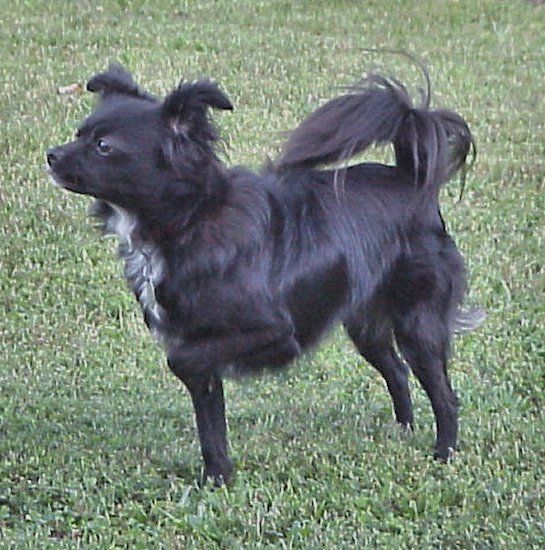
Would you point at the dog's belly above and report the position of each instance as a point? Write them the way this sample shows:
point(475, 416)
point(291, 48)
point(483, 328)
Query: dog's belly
point(316, 299)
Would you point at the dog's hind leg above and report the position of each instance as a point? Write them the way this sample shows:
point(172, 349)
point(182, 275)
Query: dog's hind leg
point(206, 390)
point(375, 342)
point(423, 339)
point(426, 291)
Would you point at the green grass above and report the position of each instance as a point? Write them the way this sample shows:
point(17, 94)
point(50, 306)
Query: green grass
point(97, 441)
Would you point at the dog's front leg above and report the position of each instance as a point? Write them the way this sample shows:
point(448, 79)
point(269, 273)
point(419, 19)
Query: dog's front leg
point(206, 390)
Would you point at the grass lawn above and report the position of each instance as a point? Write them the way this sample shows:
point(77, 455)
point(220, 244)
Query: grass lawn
point(98, 448)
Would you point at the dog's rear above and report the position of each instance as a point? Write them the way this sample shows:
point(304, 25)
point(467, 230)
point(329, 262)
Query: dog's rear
point(416, 307)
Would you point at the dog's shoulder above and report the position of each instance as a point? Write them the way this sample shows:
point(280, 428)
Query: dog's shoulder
point(243, 219)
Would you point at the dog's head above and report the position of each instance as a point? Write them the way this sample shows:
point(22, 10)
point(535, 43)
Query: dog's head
point(134, 148)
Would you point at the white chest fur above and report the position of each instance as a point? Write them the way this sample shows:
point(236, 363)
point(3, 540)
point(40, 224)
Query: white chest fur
point(144, 266)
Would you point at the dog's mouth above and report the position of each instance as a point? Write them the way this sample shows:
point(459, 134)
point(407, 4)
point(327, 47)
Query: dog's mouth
point(69, 183)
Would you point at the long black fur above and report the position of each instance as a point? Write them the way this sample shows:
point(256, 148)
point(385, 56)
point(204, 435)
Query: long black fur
point(237, 271)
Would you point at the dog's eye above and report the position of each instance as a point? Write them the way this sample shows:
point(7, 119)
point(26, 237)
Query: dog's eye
point(103, 147)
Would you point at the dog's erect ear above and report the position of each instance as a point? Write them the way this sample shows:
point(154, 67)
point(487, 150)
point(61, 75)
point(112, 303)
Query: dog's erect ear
point(116, 81)
point(186, 107)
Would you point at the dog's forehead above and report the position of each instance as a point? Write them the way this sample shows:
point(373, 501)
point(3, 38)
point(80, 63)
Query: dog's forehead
point(122, 114)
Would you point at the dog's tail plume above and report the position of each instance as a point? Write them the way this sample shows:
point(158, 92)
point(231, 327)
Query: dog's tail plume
point(430, 145)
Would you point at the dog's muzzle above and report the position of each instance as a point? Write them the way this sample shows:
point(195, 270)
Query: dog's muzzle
point(62, 169)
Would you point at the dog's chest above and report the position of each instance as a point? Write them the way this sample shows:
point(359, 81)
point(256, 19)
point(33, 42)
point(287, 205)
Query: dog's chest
point(144, 267)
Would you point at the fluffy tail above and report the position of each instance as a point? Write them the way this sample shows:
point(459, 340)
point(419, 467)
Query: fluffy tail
point(430, 145)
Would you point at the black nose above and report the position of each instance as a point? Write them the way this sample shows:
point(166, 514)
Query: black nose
point(53, 156)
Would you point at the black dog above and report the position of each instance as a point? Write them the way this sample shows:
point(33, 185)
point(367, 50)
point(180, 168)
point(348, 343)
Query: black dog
point(237, 271)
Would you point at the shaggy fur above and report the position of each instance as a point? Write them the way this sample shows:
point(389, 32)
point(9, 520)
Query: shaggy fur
point(236, 271)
